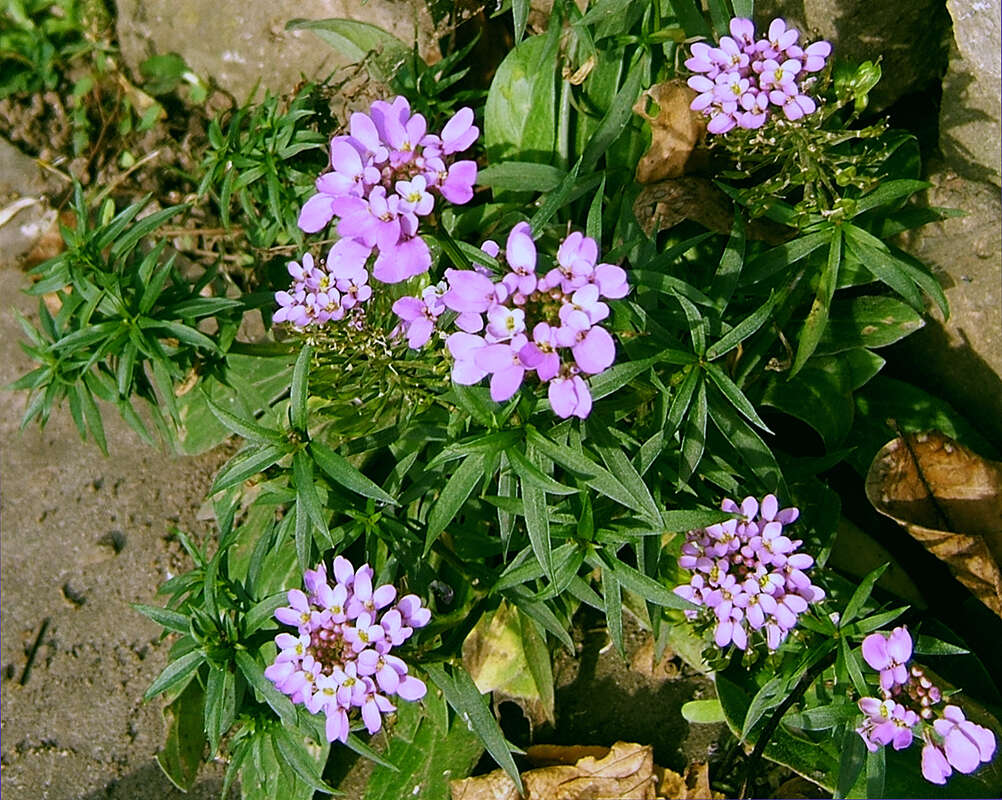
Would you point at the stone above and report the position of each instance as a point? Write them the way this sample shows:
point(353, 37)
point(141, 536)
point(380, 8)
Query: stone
point(972, 98)
point(242, 45)
point(911, 39)
point(24, 210)
point(962, 356)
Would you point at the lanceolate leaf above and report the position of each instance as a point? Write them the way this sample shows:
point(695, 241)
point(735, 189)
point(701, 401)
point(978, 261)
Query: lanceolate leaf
point(462, 694)
point(176, 674)
point(456, 492)
point(817, 317)
point(300, 384)
point(343, 473)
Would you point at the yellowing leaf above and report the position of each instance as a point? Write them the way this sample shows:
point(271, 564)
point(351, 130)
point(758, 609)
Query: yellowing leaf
point(495, 657)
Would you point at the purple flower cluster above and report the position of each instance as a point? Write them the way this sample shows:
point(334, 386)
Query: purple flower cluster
point(907, 698)
point(328, 290)
point(385, 177)
point(525, 322)
point(748, 573)
point(743, 78)
point(340, 658)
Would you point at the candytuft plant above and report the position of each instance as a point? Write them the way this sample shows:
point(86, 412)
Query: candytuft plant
point(502, 381)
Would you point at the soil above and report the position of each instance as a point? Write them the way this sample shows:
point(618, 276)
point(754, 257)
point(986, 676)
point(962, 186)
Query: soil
point(82, 536)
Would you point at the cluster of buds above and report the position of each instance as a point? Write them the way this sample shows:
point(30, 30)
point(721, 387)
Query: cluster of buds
point(907, 698)
point(742, 79)
point(385, 176)
point(525, 322)
point(340, 659)
point(748, 574)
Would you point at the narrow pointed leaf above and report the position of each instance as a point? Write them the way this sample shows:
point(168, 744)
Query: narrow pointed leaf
point(175, 674)
point(462, 694)
point(456, 492)
point(342, 472)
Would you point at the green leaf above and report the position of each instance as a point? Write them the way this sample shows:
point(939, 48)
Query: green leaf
point(537, 524)
point(817, 317)
point(246, 463)
point(742, 330)
point(125, 242)
point(171, 620)
point(555, 200)
point(356, 41)
point(931, 646)
point(680, 520)
point(638, 583)
point(682, 399)
point(529, 472)
point(252, 384)
point(537, 657)
point(521, 176)
point(578, 463)
point(262, 612)
point(888, 192)
point(703, 712)
point(617, 376)
point(694, 434)
point(298, 395)
point(220, 705)
point(868, 321)
point(255, 676)
point(306, 490)
point(848, 657)
point(617, 117)
point(822, 718)
point(520, 15)
point(778, 258)
point(852, 762)
point(876, 767)
point(246, 428)
point(342, 472)
point(298, 757)
point(735, 396)
point(613, 602)
point(821, 394)
point(176, 674)
point(455, 493)
point(424, 755)
point(861, 595)
point(749, 445)
point(768, 697)
point(182, 333)
point(181, 756)
point(462, 694)
point(520, 113)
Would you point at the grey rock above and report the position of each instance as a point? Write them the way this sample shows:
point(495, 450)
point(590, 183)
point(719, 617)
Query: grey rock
point(241, 44)
point(911, 39)
point(972, 98)
point(963, 355)
point(24, 211)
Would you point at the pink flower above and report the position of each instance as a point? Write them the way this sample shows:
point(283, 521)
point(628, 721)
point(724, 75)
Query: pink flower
point(889, 655)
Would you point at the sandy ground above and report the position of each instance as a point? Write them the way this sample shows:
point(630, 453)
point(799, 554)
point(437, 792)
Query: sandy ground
point(83, 535)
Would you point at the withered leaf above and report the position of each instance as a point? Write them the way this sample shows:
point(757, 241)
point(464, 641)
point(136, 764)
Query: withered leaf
point(625, 772)
point(675, 132)
point(950, 499)
point(663, 205)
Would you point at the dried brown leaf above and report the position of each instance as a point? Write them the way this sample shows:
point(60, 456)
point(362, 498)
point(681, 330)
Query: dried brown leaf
point(950, 499)
point(663, 205)
point(623, 772)
point(676, 131)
